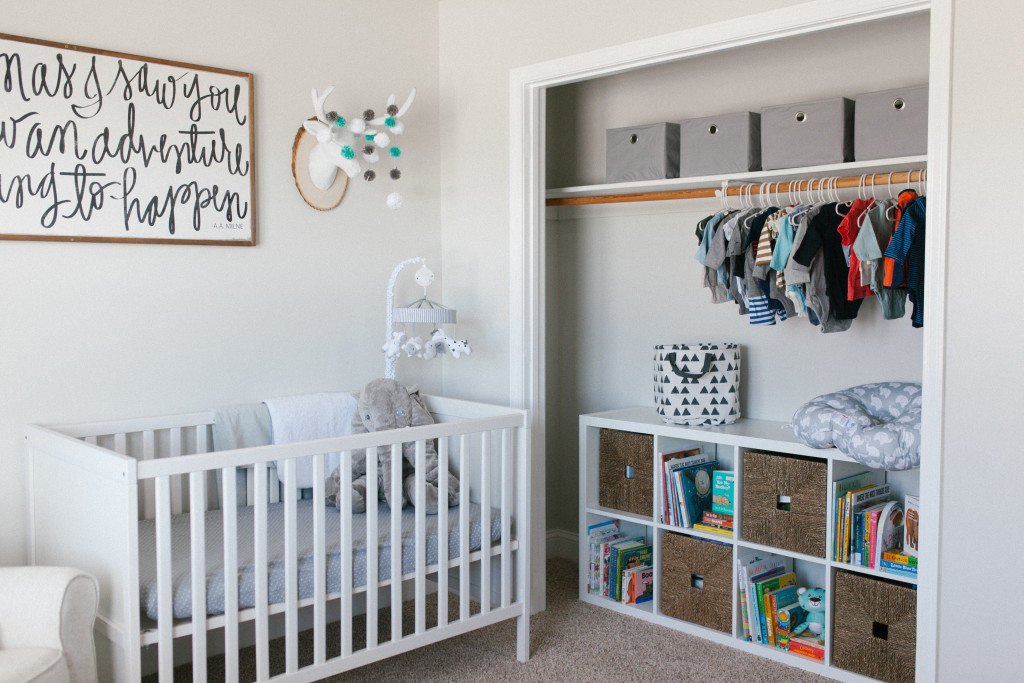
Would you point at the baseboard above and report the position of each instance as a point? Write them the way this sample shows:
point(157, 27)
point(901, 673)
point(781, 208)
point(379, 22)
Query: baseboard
point(564, 544)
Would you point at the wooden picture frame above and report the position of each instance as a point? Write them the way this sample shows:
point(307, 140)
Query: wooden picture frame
point(100, 146)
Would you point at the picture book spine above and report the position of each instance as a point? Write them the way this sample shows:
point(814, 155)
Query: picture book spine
point(801, 647)
point(896, 567)
point(872, 535)
point(744, 614)
point(899, 558)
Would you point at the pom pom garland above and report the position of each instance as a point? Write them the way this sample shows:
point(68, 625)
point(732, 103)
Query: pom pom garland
point(394, 200)
point(395, 152)
point(390, 122)
point(395, 174)
point(369, 115)
point(368, 149)
point(392, 110)
point(369, 175)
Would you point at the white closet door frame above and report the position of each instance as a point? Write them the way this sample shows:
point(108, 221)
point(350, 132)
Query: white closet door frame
point(527, 235)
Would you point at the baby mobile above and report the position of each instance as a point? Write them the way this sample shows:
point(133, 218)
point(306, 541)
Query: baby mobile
point(354, 144)
point(423, 311)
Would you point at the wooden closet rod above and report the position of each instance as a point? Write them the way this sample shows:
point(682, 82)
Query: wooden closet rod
point(810, 184)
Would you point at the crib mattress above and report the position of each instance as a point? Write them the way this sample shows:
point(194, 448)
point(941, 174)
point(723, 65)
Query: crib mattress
point(182, 560)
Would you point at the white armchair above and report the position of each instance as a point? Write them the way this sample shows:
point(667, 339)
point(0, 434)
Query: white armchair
point(46, 622)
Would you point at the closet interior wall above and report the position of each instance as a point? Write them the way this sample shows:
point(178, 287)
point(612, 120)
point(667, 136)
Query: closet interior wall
point(622, 278)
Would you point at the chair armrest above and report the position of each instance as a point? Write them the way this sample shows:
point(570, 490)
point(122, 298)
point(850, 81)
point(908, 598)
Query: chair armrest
point(51, 607)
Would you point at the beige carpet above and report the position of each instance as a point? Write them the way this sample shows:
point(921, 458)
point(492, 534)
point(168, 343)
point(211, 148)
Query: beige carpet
point(570, 641)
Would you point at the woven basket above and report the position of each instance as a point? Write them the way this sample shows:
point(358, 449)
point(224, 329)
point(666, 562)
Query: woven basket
point(626, 471)
point(696, 581)
point(875, 627)
point(766, 478)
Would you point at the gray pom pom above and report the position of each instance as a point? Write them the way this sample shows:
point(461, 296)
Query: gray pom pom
point(331, 116)
point(392, 110)
point(369, 175)
point(368, 150)
point(395, 174)
point(368, 115)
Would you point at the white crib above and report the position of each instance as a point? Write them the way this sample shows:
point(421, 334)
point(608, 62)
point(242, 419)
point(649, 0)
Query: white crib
point(101, 494)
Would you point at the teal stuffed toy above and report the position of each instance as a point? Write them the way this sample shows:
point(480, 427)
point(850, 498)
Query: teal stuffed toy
point(813, 602)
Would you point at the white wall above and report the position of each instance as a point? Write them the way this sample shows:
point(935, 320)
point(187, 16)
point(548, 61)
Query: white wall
point(982, 465)
point(475, 63)
point(98, 331)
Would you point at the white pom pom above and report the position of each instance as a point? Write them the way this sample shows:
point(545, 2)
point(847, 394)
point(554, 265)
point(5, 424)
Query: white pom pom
point(357, 126)
point(394, 200)
point(381, 140)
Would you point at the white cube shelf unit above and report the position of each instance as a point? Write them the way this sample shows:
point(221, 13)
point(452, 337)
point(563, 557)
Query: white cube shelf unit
point(727, 443)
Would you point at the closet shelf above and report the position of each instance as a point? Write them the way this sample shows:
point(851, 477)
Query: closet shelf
point(902, 170)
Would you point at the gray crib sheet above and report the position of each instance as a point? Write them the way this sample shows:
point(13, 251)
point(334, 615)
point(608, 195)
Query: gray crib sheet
point(182, 557)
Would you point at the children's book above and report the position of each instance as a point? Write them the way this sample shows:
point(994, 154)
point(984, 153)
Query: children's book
point(789, 616)
point(672, 462)
point(634, 557)
point(911, 518)
point(597, 533)
point(867, 525)
point(695, 490)
point(764, 588)
point(840, 488)
point(785, 595)
point(859, 501)
point(713, 529)
point(718, 519)
point(722, 492)
point(889, 532)
point(807, 646)
point(637, 584)
point(615, 563)
point(898, 569)
point(900, 558)
point(755, 571)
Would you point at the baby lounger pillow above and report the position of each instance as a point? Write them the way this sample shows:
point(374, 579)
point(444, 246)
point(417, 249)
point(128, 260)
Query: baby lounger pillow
point(878, 425)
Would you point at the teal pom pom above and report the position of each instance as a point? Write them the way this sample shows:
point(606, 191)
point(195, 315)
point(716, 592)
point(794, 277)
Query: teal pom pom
point(340, 122)
point(390, 122)
point(395, 152)
point(348, 152)
point(370, 137)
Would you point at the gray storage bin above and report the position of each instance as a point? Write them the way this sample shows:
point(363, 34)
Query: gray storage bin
point(891, 123)
point(648, 152)
point(807, 134)
point(729, 143)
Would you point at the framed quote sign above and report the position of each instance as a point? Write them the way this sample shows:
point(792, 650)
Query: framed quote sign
point(98, 146)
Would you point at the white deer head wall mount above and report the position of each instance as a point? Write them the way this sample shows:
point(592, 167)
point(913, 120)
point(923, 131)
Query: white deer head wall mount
point(354, 144)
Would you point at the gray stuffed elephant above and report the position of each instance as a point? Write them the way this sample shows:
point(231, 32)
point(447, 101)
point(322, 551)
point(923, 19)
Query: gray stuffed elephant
point(387, 404)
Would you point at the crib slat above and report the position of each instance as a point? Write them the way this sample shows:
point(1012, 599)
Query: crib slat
point(345, 469)
point(148, 453)
point(202, 447)
point(291, 572)
point(420, 548)
point(485, 522)
point(396, 542)
point(506, 518)
point(319, 560)
point(197, 510)
point(165, 600)
point(173, 451)
point(259, 477)
point(230, 519)
point(442, 532)
point(464, 527)
point(372, 548)
point(177, 483)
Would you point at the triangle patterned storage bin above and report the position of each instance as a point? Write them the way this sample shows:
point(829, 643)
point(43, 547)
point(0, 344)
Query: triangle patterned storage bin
point(697, 384)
